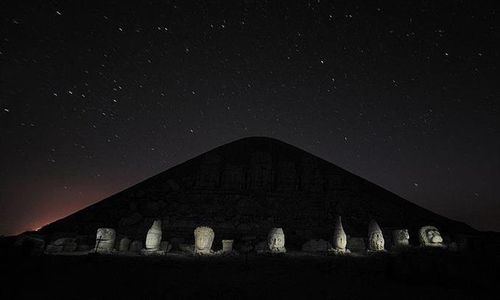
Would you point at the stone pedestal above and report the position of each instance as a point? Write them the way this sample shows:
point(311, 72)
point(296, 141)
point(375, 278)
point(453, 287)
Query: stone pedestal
point(227, 246)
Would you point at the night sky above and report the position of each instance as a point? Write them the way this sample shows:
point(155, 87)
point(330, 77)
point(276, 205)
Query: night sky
point(95, 97)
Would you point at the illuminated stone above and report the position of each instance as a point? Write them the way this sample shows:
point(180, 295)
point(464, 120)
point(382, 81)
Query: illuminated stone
point(124, 245)
point(430, 237)
point(339, 237)
point(203, 239)
point(375, 237)
point(105, 240)
point(401, 238)
point(276, 241)
point(153, 238)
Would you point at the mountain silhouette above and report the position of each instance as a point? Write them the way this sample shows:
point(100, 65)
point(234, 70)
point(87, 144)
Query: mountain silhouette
point(248, 186)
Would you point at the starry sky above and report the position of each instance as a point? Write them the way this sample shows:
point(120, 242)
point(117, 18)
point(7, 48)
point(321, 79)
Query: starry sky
point(96, 96)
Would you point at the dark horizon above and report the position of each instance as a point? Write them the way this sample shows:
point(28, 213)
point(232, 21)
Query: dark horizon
point(96, 97)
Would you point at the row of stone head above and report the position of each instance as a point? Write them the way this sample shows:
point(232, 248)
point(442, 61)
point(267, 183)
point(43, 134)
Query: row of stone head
point(204, 237)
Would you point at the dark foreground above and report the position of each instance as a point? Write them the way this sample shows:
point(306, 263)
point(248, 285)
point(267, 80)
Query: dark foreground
point(416, 275)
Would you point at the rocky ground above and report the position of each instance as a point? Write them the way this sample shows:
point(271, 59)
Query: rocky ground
point(411, 275)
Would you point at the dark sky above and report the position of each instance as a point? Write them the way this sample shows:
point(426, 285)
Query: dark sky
point(97, 96)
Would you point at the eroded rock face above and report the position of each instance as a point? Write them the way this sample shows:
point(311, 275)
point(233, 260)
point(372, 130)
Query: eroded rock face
point(375, 237)
point(339, 236)
point(153, 237)
point(276, 241)
point(105, 240)
point(203, 239)
point(430, 237)
point(401, 238)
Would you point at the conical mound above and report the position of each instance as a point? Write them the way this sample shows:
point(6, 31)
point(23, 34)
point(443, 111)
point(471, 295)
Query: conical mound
point(247, 187)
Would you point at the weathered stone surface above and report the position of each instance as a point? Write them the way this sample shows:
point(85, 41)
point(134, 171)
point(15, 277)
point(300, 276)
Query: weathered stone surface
point(316, 246)
point(51, 248)
point(153, 238)
point(227, 245)
point(105, 240)
point(203, 239)
point(430, 236)
point(375, 237)
point(401, 238)
point(124, 244)
point(276, 241)
point(70, 246)
point(83, 247)
point(339, 236)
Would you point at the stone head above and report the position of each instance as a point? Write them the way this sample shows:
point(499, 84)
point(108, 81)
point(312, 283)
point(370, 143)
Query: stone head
point(375, 237)
point(105, 234)
point(401, 237)
point(430, 236)
point(339, 236)
point(276, 239)
point(203, 239)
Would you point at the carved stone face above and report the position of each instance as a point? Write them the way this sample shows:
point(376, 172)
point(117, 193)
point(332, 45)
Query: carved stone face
point(339, 236)
point(153, 238)
point(434, 237)
point(340, 241)
point(203, 239)
point(276, 240)
point(430, 236)
point(105, 239)
point(401, 237)
point(376, 241)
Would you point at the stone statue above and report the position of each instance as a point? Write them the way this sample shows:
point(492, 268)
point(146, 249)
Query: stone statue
point(339, 238)
point(401, 238)
point(153, 238)
point(105, 240)
point(276, 241)
point(227, 246)
point(124, 244)
point(430, 237)
point(375, 237)
point(203, 239)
